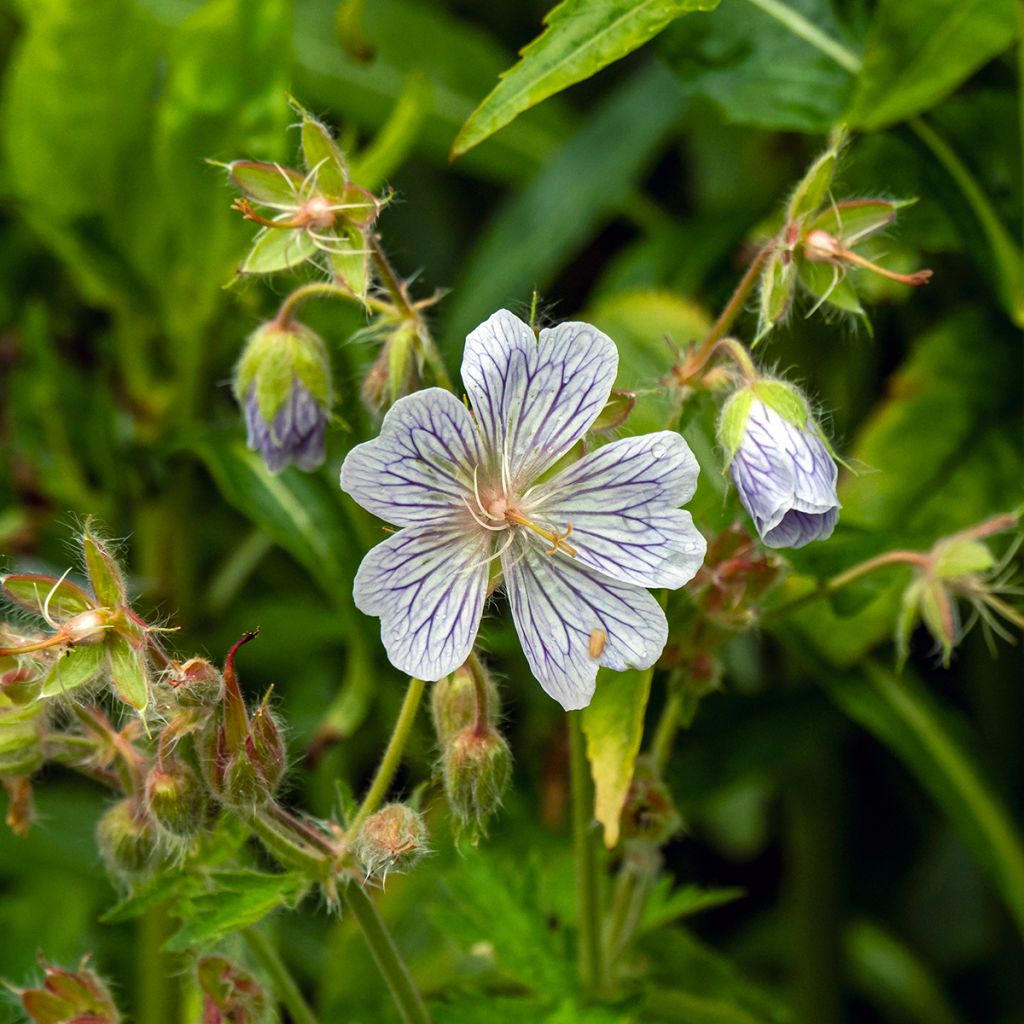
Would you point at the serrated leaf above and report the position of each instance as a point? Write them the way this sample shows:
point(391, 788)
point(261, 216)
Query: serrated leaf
point(128, 672)
point(235, 900)
point(81, 665)
point(613, 724)
point(581, 37)
point(271, 184)
point(62, 599)
point(665, 907)
point(151, 893)
point(277, 249)
point(919, 51)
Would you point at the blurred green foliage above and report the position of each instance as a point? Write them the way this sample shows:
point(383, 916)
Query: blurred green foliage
point(871, 821)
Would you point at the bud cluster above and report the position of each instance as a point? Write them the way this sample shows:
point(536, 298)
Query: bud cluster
point(69, 997)
point(231, 995)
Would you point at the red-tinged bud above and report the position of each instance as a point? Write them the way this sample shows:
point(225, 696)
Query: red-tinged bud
point(127, 840)
point(67, 997)
point(393, 839)
point(230, 994)
point(176, 799)
point(454, 702)
point(649, 815)
point(265, 747)
point(476, 764)
point(198, 684)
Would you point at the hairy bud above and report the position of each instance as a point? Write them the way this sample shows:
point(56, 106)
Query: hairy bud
point(393, 839)
point(69, 997)
point(477, 767)
point(176, 799)
point(127, 839)
point(649, 815)
point(230, 994)
point(453, 703)
point(198, 684)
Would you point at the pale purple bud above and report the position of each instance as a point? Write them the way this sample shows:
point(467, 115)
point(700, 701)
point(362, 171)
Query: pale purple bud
point(296, 434)
point(786, 479)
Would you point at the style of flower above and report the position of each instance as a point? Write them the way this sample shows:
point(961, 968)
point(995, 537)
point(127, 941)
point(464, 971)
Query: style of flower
point(783, 471)
point(577, 547)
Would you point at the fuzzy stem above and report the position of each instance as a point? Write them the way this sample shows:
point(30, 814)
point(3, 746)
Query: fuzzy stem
point(483, 711)
point(666, 731)
point(736, 302)
point(291, 847)
point(157, 989)
point(626, 910)
point(313, 290)
point(386, 955)
point(281, 980)
point(392, 756)
point(591, 959)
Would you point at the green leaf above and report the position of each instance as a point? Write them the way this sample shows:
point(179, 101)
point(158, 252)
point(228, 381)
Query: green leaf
point(665, 907)
point(919, 51)
point(613, 724)
point(61, 598)
point(581, 37)
point(756, 71)
point(236, 900)
point(293, 509)
point(577, 190)
point(128, 672)
point(901, 713)
point(277, 249)
point(81, 665)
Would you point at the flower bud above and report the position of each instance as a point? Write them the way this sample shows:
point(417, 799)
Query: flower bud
point(249, 776)
point(230, 994)
point(198, 684)
point(127, 839)
point(393, 839)
point(453, 703)
point(649, 814)
point(477, 767)
point(283, 384)
point(176, 799)
point(783, 471)
point(67, 997)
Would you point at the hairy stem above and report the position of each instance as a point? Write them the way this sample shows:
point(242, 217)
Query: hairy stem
point(591, 959)
point(666, 731)
point(736, 302)
point(392, 756)
point(385, 953)
point(285, 988)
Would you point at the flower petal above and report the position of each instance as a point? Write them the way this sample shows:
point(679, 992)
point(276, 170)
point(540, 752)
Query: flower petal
point(622, 503)
point(420, 468)
point(535, 398)
point(427, 584)
point(557, 605)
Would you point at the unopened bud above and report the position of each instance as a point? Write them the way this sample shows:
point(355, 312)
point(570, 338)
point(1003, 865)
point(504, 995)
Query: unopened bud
point(127, 839)
point(453, 703)
point(230, 994)
point(198, 684)
point(265, 747)
point(67, 997)
point(393, 839)
point(477, 767)
point(176, 799)
point(649, 815)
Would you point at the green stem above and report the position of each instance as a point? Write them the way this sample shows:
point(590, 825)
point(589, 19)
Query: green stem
point(591, 959)
point(313, 290)
point(666, 731)
point(386, 955)
point(392, 756)
point(736, 302)
point(290, 846)
point(627, 908)
point(281, 980)
point(157, 994)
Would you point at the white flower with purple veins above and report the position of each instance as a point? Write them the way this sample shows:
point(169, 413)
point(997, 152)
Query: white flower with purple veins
point(781, 466)
point(577, 549)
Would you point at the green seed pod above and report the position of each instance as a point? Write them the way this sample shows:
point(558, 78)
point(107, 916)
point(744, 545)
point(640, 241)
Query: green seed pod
point(393, 839)
point(177, 799)
point(477, 767)
point(127, 839)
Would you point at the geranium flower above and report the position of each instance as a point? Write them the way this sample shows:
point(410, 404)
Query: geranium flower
point(783, 471)
point(576, 547)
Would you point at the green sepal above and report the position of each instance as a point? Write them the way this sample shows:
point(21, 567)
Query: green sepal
point(311, 365)
point(322, 157)
point(938, 613)
point(350, 261)
point(128, 672)
point(812, 189)
point(778, 282)
point(104, 572)
point(401, 349)
point(276, 249)
point(271, 184)
point(275, 376)
point(62, 599)
point(959, 557)
point(359, 207)
point(853, 220)
point(732, 424)
point(832, 288)
point(910, 609)
point(79, 667)
point(786, 400)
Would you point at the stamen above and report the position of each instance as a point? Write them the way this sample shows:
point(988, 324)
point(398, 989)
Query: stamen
point(480, 522)
point(497, 554)
point(557, 539)
point(479, 503)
